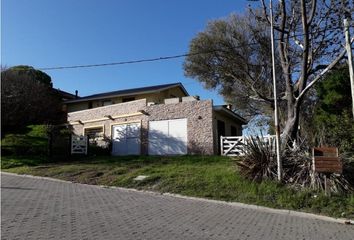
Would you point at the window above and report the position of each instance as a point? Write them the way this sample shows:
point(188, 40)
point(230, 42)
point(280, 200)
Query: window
point(94, 134)
point(233, 131)
point(128, 99)
point(90, 105)
point(106, 102)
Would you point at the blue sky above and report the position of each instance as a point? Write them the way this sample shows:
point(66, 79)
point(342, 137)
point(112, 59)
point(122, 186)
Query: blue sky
point(44, 33)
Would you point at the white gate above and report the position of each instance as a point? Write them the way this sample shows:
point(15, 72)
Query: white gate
point(233, 146)
point(79, 144)
point(168, 137)
point(126, 139)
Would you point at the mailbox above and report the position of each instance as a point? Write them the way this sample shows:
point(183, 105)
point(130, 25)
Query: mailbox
point(326, 160)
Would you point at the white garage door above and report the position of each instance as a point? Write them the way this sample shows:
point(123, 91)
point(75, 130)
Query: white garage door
point(168, 137)
point(126, 139)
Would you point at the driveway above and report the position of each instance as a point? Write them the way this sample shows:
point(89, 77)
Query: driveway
point(33, 208)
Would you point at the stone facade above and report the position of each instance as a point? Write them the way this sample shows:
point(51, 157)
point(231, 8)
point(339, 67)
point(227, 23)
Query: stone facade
point(199, 115)
point(114, 109)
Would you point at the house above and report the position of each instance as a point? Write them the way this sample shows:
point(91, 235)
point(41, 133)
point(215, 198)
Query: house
point(155, 120)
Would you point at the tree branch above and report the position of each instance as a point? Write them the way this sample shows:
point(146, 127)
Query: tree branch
point(312, 13)
point(264, 7)
point(305, 52)
point(316, 79)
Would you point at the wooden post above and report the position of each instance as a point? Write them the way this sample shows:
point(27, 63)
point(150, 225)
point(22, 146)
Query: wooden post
point(221, 146)
point(327, 190)
point(325, 184)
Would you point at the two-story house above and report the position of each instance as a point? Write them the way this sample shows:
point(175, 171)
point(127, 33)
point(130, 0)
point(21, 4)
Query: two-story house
point(154, 120)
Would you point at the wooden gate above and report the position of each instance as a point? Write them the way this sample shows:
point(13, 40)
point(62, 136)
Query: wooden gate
point(79, 144)
point(233, 145)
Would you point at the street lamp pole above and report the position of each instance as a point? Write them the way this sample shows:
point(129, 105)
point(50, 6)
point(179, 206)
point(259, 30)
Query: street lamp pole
point(277, 131)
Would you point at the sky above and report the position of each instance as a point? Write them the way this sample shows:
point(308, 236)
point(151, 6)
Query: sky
point(46, 33)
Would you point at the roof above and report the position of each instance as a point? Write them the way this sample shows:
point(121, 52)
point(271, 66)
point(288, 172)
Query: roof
point(222, 108)
point(63, 94)
point(132, 91)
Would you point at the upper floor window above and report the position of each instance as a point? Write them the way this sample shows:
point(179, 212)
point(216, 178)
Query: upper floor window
point(128, 99)
point(107, 102)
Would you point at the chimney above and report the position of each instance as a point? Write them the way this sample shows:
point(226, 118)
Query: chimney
point(76, 93)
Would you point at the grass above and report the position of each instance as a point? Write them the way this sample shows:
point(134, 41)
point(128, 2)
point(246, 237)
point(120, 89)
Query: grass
point(30, 140)
point(212, 177)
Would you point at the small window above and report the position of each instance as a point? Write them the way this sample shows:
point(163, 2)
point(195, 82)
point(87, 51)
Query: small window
point(128, 99)
point(107, 102)
point(90, 105)
point(94, 134)
point(233, 131)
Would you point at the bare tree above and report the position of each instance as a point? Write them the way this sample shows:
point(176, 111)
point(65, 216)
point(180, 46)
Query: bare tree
point(310, 36)
point(235, 56)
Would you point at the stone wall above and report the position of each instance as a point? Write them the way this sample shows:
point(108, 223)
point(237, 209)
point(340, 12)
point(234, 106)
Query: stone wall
point(199, 116)
point(199, 122)
point(114, 109)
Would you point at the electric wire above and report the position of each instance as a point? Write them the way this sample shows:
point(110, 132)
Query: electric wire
point(155, 59)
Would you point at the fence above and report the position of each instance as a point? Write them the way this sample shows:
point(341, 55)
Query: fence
point(233, 145)
point(79, 144)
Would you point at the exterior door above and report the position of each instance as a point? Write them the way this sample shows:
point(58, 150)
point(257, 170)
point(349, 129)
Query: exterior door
point(126, 139)
point(168, 137)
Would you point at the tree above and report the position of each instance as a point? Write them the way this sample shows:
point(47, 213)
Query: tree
point(333, 122)
point(27, 98)
point(31, 73)
point(233, 56)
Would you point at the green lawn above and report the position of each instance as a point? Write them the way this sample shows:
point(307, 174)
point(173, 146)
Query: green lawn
point(211, 177)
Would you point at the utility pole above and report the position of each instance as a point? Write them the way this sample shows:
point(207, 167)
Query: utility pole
point(350, 58)
point(277, 131)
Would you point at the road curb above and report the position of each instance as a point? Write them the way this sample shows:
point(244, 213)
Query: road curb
point(235, 204)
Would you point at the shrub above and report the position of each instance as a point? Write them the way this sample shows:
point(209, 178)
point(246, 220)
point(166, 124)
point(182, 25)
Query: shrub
point(259, 162)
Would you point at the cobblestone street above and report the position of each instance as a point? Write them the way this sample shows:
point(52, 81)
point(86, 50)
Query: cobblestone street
point(44, 209)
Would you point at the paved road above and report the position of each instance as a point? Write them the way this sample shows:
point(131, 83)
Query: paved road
point(44, 209)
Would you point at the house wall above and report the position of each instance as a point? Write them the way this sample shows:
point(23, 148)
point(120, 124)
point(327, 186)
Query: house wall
point(198, 114)
point(199, 122)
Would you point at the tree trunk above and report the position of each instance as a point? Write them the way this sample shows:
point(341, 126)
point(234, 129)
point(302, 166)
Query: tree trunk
point(291, 129)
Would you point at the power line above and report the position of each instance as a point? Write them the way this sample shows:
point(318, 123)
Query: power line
point(126, 62)
point(150, 59)
point(119, 63)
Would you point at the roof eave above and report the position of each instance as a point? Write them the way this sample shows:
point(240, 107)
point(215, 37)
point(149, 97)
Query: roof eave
point(128, 94)
point(231, 113)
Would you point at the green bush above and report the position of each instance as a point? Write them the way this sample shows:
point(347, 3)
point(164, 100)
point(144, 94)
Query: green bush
point(259, 162)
